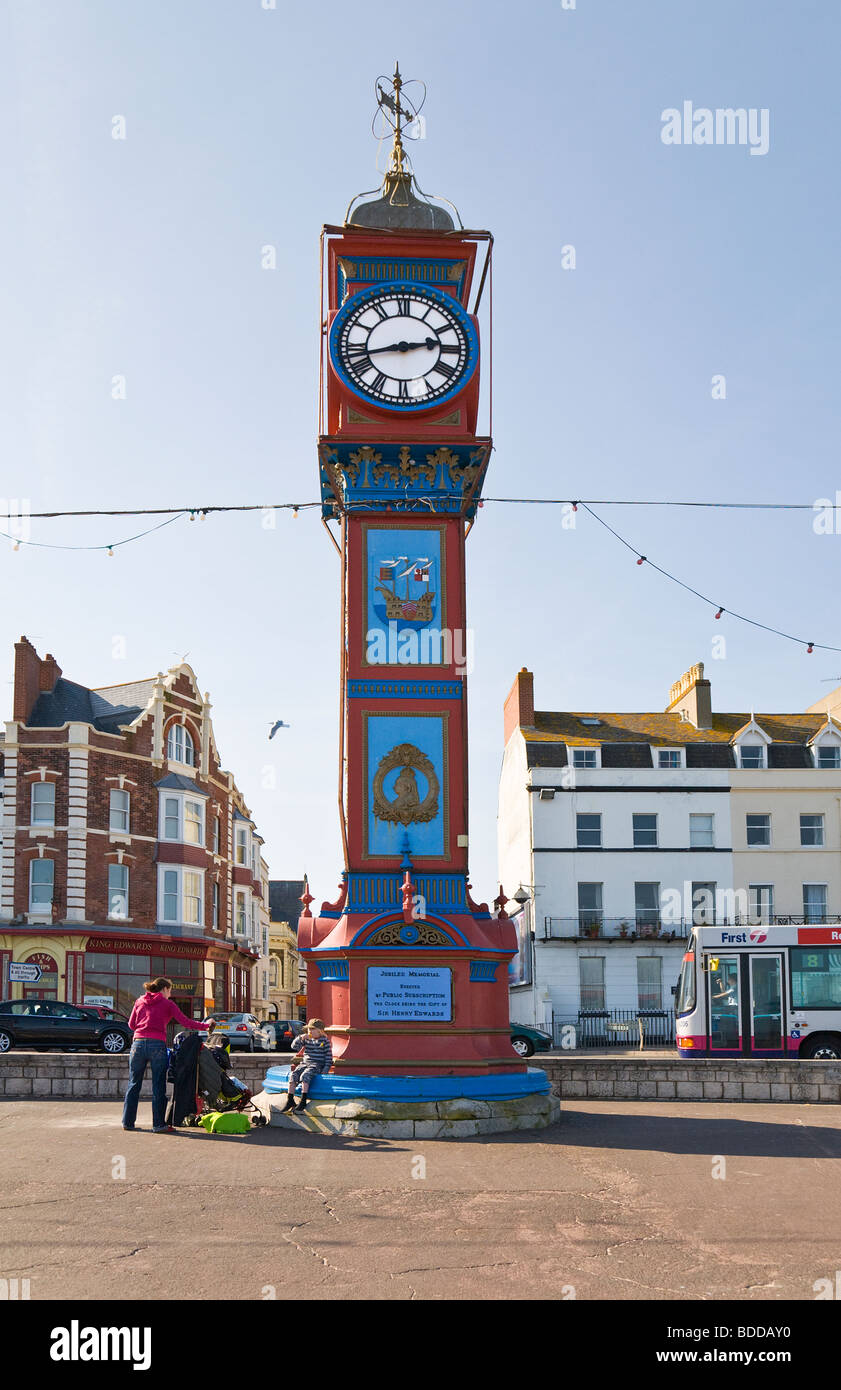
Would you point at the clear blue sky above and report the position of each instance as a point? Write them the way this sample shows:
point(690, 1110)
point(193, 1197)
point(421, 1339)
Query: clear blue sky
point(247, 126)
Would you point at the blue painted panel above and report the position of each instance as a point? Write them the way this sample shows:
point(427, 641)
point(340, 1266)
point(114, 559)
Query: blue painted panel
point(405, 690)
point(483, 971)
point(377, 892)
point(333, 970)
point(404, 573)
point(495, 1086)
point(384, 733)
point(420, 270)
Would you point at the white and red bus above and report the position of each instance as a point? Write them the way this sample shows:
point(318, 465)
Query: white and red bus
point(760, 991)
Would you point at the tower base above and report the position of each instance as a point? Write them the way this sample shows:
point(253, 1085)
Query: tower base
point(410, 1107)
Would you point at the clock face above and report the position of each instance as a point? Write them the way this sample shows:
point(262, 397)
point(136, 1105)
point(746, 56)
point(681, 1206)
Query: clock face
point(403, 346)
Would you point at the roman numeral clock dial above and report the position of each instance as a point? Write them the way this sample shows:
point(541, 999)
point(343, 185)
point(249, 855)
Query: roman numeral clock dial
point(403, 346)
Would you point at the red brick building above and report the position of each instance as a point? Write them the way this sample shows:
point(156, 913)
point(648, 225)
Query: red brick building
point(127, 850)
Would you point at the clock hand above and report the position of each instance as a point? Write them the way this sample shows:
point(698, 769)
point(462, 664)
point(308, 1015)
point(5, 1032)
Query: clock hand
point(405, 347)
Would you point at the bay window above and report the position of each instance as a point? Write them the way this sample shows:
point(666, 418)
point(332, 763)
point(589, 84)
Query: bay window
point(181, 895)
point(182, 819)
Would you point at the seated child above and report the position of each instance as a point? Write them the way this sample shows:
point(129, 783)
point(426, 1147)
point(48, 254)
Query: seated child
point(318, 1057)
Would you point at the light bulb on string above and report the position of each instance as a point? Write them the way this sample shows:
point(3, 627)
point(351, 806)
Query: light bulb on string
point(295, 513)
point(16, 545)
point(110, 551)
point(719, 613)
point(641, 560)
point(810, 649)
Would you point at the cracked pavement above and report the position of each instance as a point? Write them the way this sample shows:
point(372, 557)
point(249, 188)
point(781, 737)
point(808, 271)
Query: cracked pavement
point(619, 1201)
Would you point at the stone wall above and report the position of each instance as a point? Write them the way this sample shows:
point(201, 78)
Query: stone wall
point(95, 1076)
point(88, 1075)
point(641, 1078)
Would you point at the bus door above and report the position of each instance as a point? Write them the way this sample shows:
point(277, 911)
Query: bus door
point(763, 986)
point(745, 1003)
point(724, 1002)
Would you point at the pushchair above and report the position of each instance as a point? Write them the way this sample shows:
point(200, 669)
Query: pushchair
point(201, 1080)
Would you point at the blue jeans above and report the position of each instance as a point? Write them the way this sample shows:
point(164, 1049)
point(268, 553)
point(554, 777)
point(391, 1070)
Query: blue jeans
point(153, 1051)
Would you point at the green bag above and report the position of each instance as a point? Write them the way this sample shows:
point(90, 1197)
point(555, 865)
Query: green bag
point(225, 1122)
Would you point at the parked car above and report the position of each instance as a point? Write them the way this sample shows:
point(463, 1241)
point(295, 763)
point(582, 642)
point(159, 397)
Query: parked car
point(241, 1030)
point(44, 1023)
point(283, 1032)
point(527, 1041)
point(102, 1012)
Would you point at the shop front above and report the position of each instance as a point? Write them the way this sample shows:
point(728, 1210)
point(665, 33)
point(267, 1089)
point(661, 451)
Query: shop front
point(109, 971)
point(206, 976)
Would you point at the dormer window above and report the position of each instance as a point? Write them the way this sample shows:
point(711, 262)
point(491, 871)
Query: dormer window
point(585, 757)
point(828, 755)
point(826, 746)
point(669, 758)
point(179, 745)
point(750, 746)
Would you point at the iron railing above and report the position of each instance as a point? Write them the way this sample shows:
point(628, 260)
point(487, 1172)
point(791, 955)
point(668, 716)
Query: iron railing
point(617, 1028)
point(596, 927)
point(590, 926)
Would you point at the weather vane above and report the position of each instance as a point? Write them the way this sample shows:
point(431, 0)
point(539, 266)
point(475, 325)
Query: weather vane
point(398, 113)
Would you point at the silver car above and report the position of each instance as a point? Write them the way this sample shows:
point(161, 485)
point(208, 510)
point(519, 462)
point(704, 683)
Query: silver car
point(242, 1031)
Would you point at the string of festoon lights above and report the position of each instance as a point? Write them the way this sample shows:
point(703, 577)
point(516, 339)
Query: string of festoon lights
point(171, 515)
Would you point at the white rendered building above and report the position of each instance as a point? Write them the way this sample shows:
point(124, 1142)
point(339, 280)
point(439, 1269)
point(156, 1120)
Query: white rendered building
point(623, 829)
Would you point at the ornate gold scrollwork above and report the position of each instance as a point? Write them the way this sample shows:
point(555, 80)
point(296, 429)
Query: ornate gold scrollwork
point(364, 454)
point(426, 936)
point(407, 806)
point(444, 456)
point(411, 469)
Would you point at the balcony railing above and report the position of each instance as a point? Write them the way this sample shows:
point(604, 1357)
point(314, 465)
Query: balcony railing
point(587, 926)
point(785, 919)
point(594, 927)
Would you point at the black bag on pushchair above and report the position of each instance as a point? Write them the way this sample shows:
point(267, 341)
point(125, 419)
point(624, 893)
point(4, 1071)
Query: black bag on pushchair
point(183, 1073)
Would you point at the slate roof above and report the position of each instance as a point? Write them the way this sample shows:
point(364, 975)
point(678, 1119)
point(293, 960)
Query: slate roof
point(176, 781)
point(626, 740)
point(665, 730)
point(68, 702)
point(130, 693)
point(285, 900)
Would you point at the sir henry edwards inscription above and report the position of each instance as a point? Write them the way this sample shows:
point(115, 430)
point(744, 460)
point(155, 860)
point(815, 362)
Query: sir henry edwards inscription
point(402, 993)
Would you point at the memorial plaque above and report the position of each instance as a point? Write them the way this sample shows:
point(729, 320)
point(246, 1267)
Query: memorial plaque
point(410, 993)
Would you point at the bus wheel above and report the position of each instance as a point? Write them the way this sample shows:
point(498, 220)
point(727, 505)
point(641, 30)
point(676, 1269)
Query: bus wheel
point(822, 1047)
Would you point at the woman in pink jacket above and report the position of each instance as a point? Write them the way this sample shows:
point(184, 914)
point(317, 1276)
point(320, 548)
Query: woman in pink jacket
point(148, 1021)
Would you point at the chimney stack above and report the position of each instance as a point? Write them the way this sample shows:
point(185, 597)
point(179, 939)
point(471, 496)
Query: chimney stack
point(32, 676)
point(519, 704)
point(50, 673)
point(691, 698)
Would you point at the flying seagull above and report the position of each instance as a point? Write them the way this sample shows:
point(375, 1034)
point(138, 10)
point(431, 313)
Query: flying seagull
point(278, 724)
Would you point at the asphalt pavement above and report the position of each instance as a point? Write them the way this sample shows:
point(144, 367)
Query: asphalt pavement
point(621, 1200)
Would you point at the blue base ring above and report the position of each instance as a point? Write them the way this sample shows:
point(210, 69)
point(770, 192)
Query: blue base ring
point(493, 1086)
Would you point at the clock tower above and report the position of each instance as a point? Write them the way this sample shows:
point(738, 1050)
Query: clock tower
point(408, 972)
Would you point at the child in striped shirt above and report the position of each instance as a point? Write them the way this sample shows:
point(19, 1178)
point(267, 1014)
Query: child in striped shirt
point(318, 1057)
